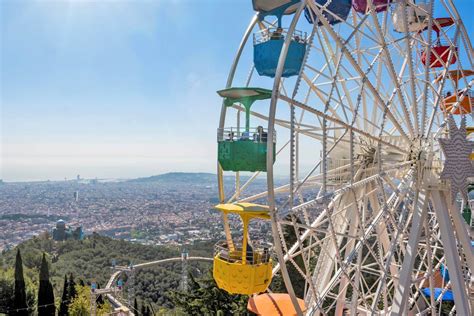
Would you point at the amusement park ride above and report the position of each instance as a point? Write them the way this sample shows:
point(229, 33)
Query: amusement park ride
point(371, 112)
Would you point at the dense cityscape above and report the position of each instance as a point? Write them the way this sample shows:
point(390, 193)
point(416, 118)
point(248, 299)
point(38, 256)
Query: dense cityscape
point(169, 209)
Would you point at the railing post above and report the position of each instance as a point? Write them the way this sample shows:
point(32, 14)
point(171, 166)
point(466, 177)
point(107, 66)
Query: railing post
point(245, 222)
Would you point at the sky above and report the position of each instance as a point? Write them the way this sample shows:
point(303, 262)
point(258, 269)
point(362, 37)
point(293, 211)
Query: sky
point(115, 88)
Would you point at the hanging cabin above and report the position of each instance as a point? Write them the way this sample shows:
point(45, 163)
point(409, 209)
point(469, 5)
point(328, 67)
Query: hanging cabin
point(417, 11)
point(362, 6)
point(462, 100)
point(335, 11)
point(441, 54)
point(244, 148)
point(244, 267)
point(268, 43)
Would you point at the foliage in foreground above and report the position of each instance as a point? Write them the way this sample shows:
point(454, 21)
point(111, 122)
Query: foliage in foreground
point(81, 304)
point(89, 260)
point(205, 298)
point(46, 305)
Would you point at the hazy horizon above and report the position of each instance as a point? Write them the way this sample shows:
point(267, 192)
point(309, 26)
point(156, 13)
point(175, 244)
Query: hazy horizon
point(116, 89)
point(113, 89)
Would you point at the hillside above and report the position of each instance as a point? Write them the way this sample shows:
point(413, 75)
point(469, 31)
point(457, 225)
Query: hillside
point(90, 260)
point(193, 177)
point(179, 177)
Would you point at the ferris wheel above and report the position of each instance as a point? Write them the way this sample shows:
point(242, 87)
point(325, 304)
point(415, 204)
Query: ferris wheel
point(356, 114)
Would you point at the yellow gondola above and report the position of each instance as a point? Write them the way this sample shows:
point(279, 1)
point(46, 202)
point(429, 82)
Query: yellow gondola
point(243, 268)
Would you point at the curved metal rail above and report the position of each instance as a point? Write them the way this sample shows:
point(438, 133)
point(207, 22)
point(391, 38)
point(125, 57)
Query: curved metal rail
point(119, 305)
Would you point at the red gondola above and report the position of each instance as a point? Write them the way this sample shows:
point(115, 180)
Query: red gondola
point(440, 55)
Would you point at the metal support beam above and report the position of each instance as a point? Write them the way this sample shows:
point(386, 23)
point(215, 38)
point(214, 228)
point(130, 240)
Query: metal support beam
point(451, 253)
point(402, 290)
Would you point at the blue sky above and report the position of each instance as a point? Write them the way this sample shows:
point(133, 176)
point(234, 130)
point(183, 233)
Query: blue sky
point(115, 88)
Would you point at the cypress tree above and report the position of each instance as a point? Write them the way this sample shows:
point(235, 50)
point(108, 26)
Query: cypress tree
point(135, 306)
point(64, 307)
point(100, 299)
point(72, 288)
point(19, 300)
point(45, 292)
point(143, 309)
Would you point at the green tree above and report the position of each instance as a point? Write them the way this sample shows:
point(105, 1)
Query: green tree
point(7, 292)
point(72, 287)
point(46, 305)
point(19, 300)
point(81, 304)
point(63, 308)
point(205, 298)
point(135, 306)
point(100, 299)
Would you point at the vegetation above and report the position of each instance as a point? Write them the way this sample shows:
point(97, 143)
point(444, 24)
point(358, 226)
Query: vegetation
point(90, 260)
point(19, 298)
point(64, 306)
point(7, 294)
point(81, 304)
point(46, 305)
point(205, 298)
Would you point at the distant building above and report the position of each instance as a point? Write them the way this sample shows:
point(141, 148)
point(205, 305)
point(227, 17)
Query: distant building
point(76, 196)
point(78, 177)
point(61, 232)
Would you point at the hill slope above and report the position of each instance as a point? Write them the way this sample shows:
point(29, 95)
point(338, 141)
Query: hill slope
point(90, 260)
point(179, 177)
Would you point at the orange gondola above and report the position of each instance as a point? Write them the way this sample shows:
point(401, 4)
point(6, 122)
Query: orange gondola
point(465, 106)
point(270, 304)
point(463, 97)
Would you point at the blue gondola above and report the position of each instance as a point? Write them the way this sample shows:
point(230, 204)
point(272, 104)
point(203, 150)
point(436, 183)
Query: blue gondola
point(267, 48)
point(447, 295)
point(444, 273)
point(269, 42)
point(335, 12)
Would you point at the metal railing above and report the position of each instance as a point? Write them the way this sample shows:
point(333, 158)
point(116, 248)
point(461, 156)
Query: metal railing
point(276, 33)
point(338, 170)
point(257, 253)
point(459, 93)
point(254, 134)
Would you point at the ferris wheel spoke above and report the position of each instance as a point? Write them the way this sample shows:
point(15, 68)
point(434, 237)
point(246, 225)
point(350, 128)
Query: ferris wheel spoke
point(379, 100)
point(426, 71)
point(339, 122)
point(401, 190)
point(339, 102)
point(391, 70)
point(317, 200)
point(451, 253)
point(393, 202)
